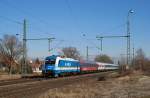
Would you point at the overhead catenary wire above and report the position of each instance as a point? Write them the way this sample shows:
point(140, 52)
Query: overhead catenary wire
point(20, 23)
point(75, 20)
point(116, 27)
point(11, 20)
point(37, 29)
point(22, 11)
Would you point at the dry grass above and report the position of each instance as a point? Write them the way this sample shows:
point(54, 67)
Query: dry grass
point(8, 77)
point(133, 86)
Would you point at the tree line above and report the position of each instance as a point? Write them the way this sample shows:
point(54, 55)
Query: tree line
point(11, 50)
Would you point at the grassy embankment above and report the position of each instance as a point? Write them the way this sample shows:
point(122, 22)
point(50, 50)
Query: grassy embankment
point(135, 85)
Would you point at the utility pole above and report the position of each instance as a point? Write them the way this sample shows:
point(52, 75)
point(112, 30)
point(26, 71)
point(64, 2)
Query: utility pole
point(133, 56)
point(49, 41)
point(128, 38)
point(24, 65)
point(101, 42)
point(87, 50)
point(87, 53)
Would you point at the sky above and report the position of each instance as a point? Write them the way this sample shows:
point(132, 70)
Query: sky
point(76, 23)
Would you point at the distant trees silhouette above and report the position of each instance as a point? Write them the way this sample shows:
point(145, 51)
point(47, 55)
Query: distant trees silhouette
point(103, 58)
point(71, 52)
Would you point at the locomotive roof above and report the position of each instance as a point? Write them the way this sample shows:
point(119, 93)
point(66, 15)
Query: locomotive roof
point(52, 57)
point(60, 57)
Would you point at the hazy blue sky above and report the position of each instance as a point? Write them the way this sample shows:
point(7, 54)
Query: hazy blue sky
point(68, 20)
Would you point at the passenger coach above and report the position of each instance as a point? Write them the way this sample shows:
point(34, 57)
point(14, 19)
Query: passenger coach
point(88, 66)
point(106, 66)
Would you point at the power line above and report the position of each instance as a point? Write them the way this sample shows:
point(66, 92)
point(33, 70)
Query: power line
point(71, 13)
point(22, 11)
point(91, 42)
point(20, 23)
point(37, 30)
point(10, 20)
point(117, 27)
point(25, 12)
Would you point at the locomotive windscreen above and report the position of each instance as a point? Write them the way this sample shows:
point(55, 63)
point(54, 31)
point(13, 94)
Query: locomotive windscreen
point(50, 61)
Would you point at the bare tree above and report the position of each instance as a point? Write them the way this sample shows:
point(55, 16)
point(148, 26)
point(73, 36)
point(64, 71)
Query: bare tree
point(71, 52)
point(10, 51)
point(147, 65)
point(37, 63)
point(140, 54)
point(140, 59)
point(103, 58)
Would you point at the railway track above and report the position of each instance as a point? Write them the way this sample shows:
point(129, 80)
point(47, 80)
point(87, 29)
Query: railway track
point(16, 81)
point(29, 89)
point(22, 80)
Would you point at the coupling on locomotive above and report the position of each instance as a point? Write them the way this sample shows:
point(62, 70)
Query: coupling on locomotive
point(56, 65)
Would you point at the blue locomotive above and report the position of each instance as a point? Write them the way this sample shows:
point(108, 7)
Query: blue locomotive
point(56, 65)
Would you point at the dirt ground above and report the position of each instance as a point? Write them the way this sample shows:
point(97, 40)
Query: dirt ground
point(135, 85)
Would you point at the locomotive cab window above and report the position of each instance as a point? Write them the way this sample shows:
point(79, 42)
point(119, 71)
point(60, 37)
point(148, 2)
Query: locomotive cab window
point(52, 61)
